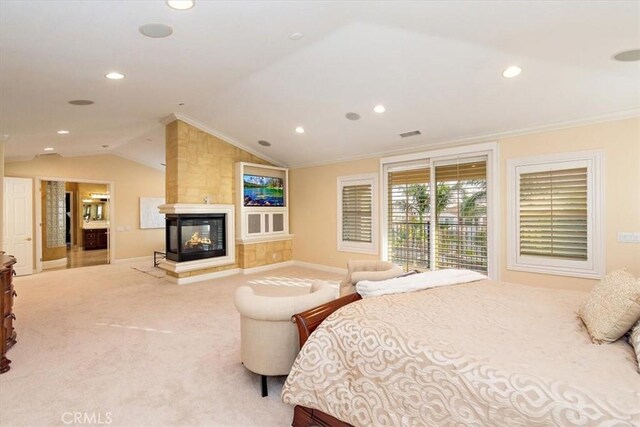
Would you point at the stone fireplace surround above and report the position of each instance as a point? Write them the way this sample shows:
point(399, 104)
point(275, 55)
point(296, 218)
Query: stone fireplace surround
point(184, 208)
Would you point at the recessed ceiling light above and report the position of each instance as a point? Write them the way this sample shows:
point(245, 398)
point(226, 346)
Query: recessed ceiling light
point(49, 149)
point(264, 143)
point(62, 132)
point(628, 55)
point(299, 129)
point(511, 72)
point(81, 102)
point(181, 4)
point(352, 116)
point(296, 36)
point(114, 75)
point(155, 31)
point(379, 109)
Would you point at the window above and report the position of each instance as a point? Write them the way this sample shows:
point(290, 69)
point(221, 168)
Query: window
point(555, 213)
point(437, 209)
point(357, 214)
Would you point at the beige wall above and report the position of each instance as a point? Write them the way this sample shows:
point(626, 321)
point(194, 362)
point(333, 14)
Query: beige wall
point(314, 198)
point(620, 141)
point(313, 208)
point(131, 181)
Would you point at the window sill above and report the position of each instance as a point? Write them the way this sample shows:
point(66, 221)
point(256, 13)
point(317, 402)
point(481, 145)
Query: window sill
point(358, 249)
point(583, 274)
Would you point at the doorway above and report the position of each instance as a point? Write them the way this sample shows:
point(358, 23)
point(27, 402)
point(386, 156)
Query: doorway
point(17, 234)
point(83, 223)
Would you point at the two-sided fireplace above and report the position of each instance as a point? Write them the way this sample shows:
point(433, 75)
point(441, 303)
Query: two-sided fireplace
point(195, 236)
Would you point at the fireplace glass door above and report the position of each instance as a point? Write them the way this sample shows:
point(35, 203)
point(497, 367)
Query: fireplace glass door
point(195, 236)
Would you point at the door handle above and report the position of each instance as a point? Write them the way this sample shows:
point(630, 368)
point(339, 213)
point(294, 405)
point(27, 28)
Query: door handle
point(28, 239)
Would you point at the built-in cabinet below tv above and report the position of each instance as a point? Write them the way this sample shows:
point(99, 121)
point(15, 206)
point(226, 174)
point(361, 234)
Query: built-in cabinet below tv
point(262, 217)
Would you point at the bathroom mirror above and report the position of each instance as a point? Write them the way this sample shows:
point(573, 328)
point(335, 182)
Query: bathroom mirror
point(94, 211)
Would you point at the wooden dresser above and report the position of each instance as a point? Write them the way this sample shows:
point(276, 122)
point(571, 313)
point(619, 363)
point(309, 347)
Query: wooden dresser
point(7, 333)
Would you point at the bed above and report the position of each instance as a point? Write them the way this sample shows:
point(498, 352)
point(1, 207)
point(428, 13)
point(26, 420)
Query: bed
point(474, 354)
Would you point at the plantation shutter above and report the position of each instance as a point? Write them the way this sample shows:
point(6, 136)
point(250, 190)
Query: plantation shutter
point(357, 220)
point(461, 215)
point(553, 213)
point(408, 217)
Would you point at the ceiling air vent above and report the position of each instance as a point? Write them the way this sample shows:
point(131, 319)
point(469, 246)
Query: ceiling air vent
point(412, 133)
point(48, 155)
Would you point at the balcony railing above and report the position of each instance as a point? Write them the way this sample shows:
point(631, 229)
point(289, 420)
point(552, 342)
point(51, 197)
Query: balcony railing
point(457, 245)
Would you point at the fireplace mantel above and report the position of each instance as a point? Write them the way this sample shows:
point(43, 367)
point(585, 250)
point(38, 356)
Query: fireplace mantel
point(195, 208)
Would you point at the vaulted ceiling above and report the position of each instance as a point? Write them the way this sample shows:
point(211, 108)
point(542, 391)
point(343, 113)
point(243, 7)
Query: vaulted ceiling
point(232, 68)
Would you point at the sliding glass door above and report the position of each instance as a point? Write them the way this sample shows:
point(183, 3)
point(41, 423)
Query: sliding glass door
point(409, 216)
point(436, 214)
point(461, 215)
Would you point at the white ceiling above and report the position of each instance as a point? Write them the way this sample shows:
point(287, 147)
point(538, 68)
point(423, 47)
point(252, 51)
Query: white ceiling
point(436, 66)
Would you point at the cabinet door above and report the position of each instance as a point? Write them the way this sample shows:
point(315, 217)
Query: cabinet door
point(102, 239)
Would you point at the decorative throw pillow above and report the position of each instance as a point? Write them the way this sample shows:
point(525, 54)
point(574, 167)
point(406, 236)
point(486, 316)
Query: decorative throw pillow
point(613, 306)
point(634, 340)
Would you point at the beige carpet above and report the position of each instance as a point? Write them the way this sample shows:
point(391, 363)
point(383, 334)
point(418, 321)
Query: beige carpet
point(120, 345)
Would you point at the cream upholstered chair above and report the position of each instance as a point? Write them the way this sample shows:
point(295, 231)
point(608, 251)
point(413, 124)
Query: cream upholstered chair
point(269, 339)
point(367, 270)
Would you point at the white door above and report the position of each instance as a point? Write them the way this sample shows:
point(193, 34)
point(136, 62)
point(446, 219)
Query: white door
point(17, 239)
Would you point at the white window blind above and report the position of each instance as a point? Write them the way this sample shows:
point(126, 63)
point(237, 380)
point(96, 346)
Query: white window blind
point(556, 214)
point(553, 214)
point(357, 214)
point(461, 215)
point(357, 210)
point(408, 213)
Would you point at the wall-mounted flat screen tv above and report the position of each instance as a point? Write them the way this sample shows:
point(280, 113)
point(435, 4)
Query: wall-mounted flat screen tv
point(263, 190)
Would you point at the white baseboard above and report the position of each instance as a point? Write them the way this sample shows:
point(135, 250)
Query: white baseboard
point(136, 259)
point(202, 277)
point(56, 263)
point(268, 267)
point(320, 267)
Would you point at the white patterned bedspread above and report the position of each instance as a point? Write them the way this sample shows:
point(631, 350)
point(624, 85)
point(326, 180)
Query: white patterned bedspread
point(477, 354)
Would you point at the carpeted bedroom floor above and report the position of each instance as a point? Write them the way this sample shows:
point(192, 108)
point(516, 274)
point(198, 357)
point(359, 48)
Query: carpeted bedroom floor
point(126, 347)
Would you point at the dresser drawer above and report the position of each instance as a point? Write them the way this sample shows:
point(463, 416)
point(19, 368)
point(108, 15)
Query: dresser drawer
point(7, 279)
point(8, 329)
point(7, 301)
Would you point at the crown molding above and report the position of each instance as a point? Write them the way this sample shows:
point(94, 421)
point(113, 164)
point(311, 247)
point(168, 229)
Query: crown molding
point(619, 115)
point(203, 127)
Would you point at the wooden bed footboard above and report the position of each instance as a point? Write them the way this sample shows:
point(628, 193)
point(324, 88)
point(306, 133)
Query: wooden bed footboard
point(307, 322)
point(307, 417)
